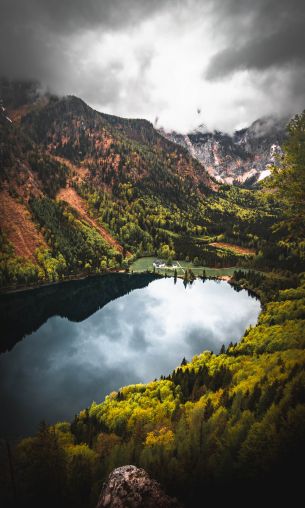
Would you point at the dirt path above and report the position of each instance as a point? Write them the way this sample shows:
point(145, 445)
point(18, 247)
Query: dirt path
point(234, 248)
point(16, 221)
point(180, 267)
point(73, 199)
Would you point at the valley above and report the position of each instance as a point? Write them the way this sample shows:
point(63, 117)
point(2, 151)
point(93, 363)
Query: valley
point(119, 183)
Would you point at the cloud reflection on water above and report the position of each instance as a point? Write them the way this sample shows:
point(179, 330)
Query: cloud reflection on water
point(62, 367)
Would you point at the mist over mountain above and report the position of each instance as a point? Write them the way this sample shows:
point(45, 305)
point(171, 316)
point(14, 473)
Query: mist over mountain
point(241, 158)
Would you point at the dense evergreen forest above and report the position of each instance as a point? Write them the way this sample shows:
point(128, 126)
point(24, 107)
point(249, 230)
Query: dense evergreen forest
point(221, 423)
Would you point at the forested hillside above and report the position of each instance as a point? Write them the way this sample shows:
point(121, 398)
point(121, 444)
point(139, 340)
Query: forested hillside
point(217, 422)
point(84, 192)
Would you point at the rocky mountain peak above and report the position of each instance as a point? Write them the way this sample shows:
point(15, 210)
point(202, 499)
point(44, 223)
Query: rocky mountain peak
point(239, 158)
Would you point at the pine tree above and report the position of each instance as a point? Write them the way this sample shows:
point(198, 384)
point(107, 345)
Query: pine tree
point(222, 350)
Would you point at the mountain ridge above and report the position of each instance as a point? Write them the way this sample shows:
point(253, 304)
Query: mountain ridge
point(57, 155)
point(241, 158)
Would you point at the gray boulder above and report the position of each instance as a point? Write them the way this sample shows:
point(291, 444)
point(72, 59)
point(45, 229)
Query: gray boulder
point(130, 486)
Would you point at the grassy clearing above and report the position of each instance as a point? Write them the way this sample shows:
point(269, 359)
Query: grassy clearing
point(146, 263)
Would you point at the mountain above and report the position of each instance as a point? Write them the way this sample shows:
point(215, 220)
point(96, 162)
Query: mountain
point(113, 150)
point(81, 190)
point(242, 158)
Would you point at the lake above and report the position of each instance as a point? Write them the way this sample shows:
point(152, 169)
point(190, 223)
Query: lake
point(65, 345)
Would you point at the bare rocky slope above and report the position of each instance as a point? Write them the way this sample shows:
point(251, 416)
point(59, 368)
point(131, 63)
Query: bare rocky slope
point(242, 158)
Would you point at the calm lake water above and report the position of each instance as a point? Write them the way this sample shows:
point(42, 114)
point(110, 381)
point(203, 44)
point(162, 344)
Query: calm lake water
point(81, 340)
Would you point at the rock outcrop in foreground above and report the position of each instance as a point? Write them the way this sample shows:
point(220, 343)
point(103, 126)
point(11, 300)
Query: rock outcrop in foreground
point(131, 487)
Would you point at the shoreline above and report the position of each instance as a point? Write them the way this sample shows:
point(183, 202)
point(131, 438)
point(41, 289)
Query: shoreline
point(20, 289)
point(74, 278)
point(11, 289)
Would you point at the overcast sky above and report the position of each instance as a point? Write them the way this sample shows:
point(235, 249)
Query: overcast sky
point(223, 63)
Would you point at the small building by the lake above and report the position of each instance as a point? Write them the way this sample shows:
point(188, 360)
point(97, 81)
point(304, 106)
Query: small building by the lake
point(159, 264)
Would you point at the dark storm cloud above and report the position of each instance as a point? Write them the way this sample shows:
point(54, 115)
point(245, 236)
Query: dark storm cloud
point(64, 16)
point(162, 58)
point(32, 31)
point(259, 35)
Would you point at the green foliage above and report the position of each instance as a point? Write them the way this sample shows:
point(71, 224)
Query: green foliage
point(54, 468)
point(51, 268)
point(14, 269)
point(51, 173)
point(41, 462)
point(288, 182)
point(143, 225)
point(266, 285)
point(74, 244)
point(74, 248)
point(288, 178)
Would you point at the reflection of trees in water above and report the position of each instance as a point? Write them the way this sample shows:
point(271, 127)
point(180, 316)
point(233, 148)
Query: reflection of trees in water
point(23, 313)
